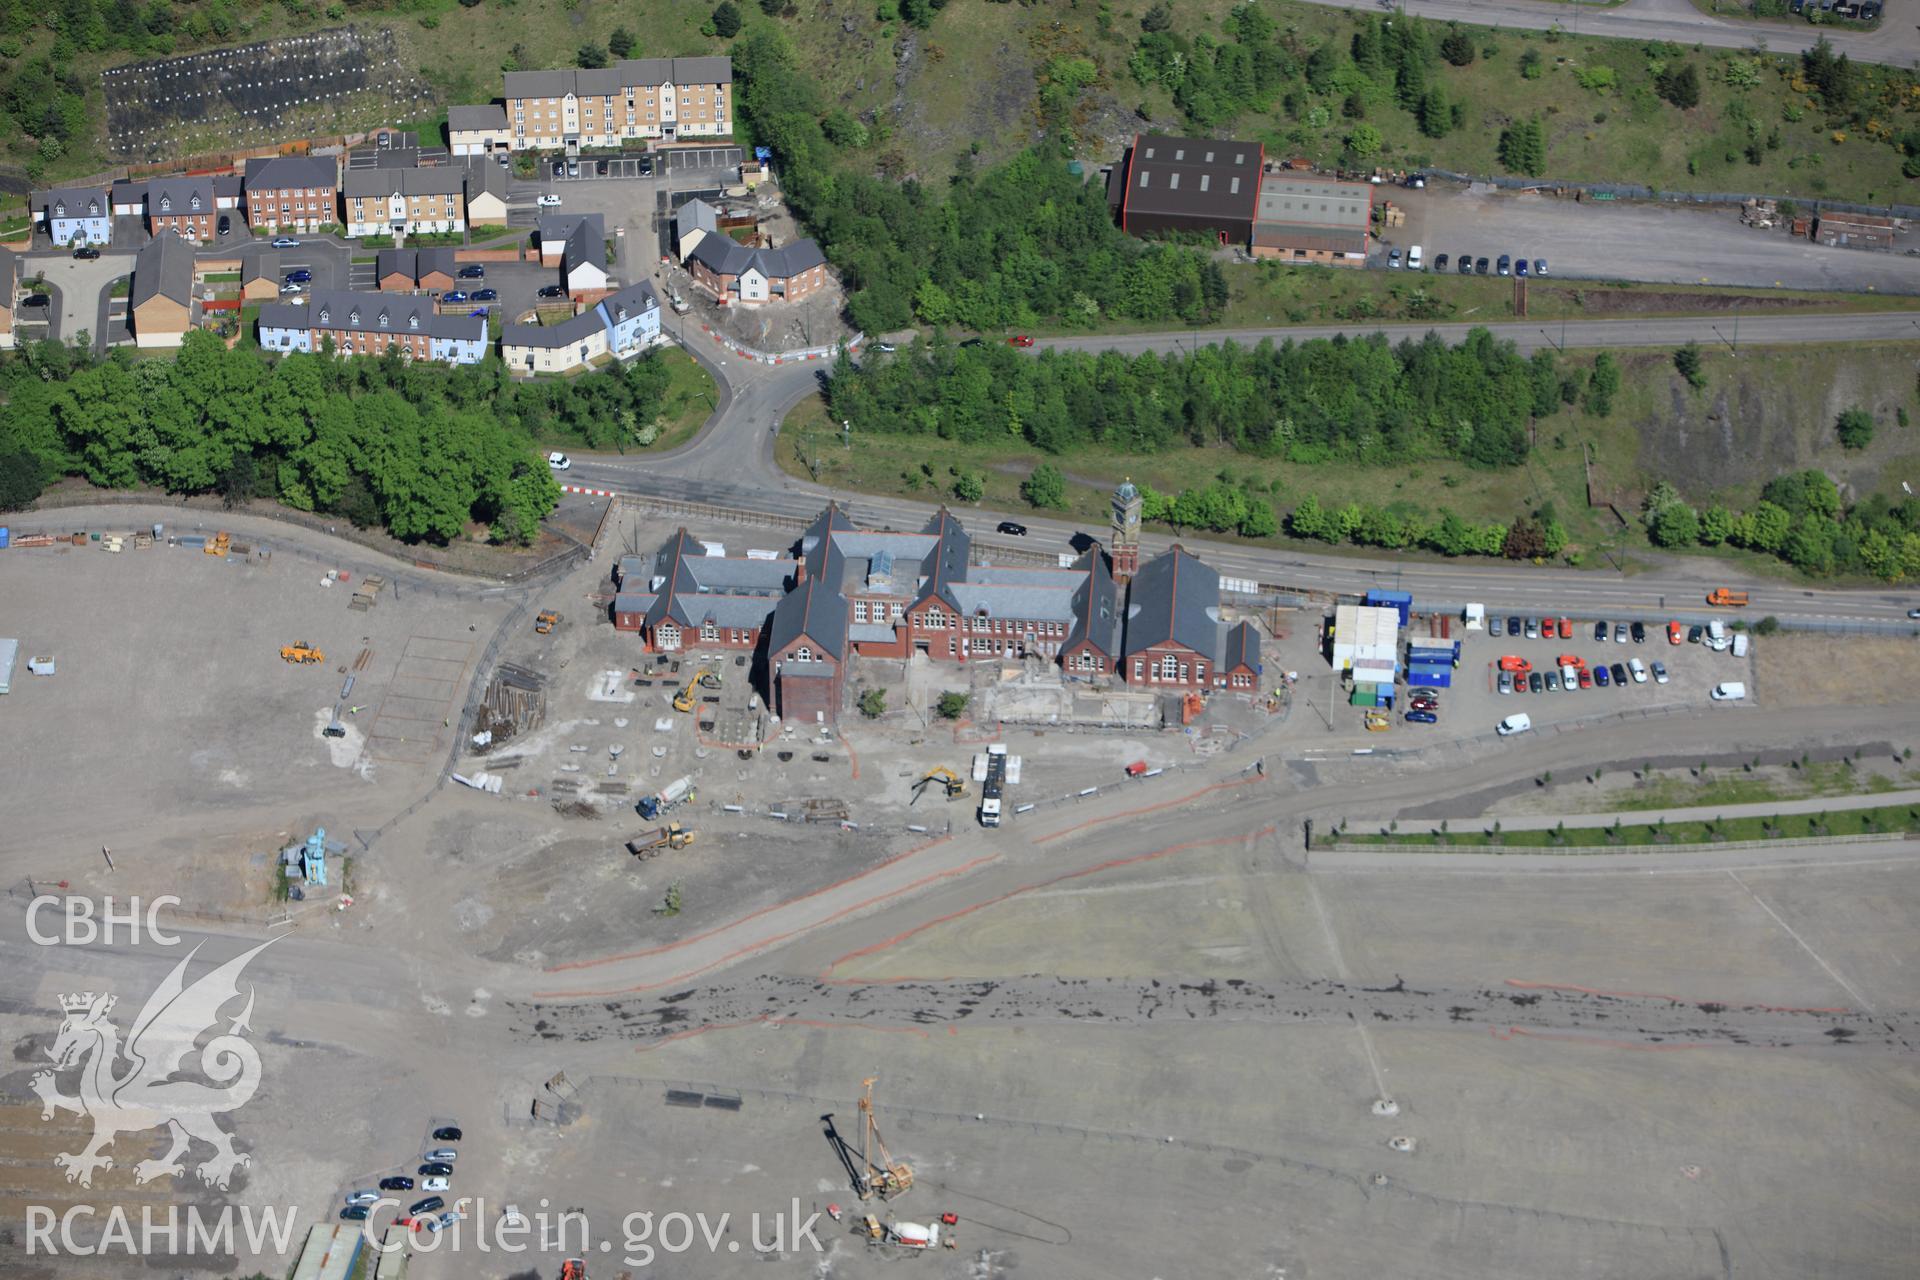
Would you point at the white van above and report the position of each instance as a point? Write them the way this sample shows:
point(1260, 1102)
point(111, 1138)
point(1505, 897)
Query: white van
point(1413, 258)
point(1729, 691)
point(1740, 644)
point(1717, 636)
point(1519, 722)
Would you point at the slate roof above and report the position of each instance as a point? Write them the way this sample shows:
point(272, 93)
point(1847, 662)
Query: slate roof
point(163, 268)
point(1097, 616)
point(278, 173)
point(983, 600)
point(76, 200)
point(432, 180)
point(262, 266)
point(538, 84)
point(946, 562)
point(696, 214)
point(635, 299)
point(1175, 598)
point(483, 116)
point(632, 602)
point(814, 610)
point(173, 197)
point(1240, 648)
point(414, 264)
point(586, 245)
point(484, 175)
point(599, 82)
point(331, 310)
point(9, 281)
point(725, 256)
point(547, 337)
point(557, 228)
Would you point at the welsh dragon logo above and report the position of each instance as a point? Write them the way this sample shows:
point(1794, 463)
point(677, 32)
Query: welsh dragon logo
point(146, 1094)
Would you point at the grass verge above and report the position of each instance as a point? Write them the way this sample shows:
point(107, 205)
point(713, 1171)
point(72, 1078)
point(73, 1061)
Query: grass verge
point(1838, 822)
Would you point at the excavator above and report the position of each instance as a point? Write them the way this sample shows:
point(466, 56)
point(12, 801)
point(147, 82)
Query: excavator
point(889, 1178)
point(954, 785)
point(301, 652)
point(705, 678)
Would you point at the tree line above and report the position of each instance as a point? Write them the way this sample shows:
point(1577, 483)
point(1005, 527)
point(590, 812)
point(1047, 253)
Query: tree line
point(1361, 400)
point(424, 450)
point(1801, 519)
point(1021, 243)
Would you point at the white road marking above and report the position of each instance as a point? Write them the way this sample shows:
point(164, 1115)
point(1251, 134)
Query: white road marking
point(1833, 973)
point(1340, 969)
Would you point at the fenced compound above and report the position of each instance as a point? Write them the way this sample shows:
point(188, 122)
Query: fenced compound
point(256, 94)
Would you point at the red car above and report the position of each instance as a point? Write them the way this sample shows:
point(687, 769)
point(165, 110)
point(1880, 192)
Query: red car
point(1020, 340)
point(1675, 633)
point(1510, 662)
point(1566, 628)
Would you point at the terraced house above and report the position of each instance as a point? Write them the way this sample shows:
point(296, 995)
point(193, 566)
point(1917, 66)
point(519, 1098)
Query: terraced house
point(633, 100)
point(184, 206)
point(292, 193)
point(622, 324)
point(74, 215)
point(371, 323)
point(405, 201)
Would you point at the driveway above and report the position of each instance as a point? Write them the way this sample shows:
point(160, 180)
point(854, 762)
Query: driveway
point(80, 283)
point(1660, 244)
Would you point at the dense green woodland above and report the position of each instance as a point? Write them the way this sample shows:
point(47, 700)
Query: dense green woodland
point(1022, 243)
point(1800, 519)
point(1363, 400)
point(425, 450)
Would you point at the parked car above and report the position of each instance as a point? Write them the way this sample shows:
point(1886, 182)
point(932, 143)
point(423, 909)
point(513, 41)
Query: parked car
point(1600, 676)
point(1619, 633)
point(396, 1183)
point(36, 301)
point(646, 166)
point(1518, 723)
point(225, 226)
point(1536, 683)
point(1479, 266)
point(885, 347)
point(1553, 682)
point(600, 167)
point(1513, 626)
point(485, 295)
point(285, 242)
point(553, 291)
point(1729, 691)
point(1520, 267)
point(1599, 631)
point(1638, 670)
point(1659, 673)
point(86, 253)
point(548, 201)
point(1674, 633)
point(436, 1184)
point(1539, 266)
point(1639, 632)
point(1423, 700)
point(559, 461)
point(559, 168)
point(364, 1197)
point(1440, 263)
point(355, 1213)
point(1694, 633)
point(1505, 266)
point(1510, 662)
point(453, 296)
point(478, 313)
point(1418, 716)
point(1496, 626)
point(1533, 628)
point(472, 271)
point(436, 1169)
point(1586, 678)
point(1506, 682)
point(1013, 527)
point(1466, 264)
point(299, 275)
point(1620, 674)
point(1566, 628)
point(291, 289)
point(446, 1155)
point(447, 1133)
point(432, 1204)
point(1019, 340)
point(573, 168)
point(1393, 259)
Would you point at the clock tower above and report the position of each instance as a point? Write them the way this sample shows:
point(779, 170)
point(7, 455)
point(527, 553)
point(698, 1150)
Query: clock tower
point(1125, 546)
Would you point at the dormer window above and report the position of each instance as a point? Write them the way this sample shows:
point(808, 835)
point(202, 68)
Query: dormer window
point(413, 322)
point(353, 316)
point(194, 201)
point(166, 204)
point(59, 208)
point(383, 319)
point(323, 315)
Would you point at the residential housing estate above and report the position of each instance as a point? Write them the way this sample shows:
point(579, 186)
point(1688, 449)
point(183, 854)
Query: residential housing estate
point(369, 323)
point(383, 201)
point(292, 193)
point(621, 324)
point(849, 592)
point(631, 101)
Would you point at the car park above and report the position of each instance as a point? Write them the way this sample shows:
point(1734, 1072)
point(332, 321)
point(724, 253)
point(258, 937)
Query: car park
point(472, 271)
point(1013, 528)
point(398, 1182)
point(559, 461)
point(1600, 676)
point(1639, 632)
point(1422, 716)
point(1505, 266)
point(1536, 683)
point(548, 201)
point(1659, 673)
point(1620, 674)
point(1638, 670)
point(485, 295)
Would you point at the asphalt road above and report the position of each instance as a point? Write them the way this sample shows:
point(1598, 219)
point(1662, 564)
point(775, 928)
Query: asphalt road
point(731, 464)
point(1896, 44)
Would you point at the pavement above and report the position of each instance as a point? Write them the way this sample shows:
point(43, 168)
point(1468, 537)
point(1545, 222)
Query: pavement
point(1897, 43)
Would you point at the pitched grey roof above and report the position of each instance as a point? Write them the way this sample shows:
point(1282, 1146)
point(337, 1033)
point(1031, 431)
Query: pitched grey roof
point(487, 115)
point(635, 299)
point(226, 186)
point(414, 264)
point(262, 266)
point(9, 279)
point(277, 173)
point(485, 175)
point(598, 82)
point(174, 197)
point(696, 214)
point(946, 561)
point(632, 602)
point(332, 310)
point(703, 70)
point(163, 268)
point(538, 84)
point(586, 245)
point(694, 588)
point(986, 600)
point(723, 255)
point(816, 542)
point(432, 180)
point(1174, 598)
point(283, 315)
point(1097, 615)
point(1240, 648)
point(77, 201)
point(555, 228)
point(813, 610)
point(547, 337)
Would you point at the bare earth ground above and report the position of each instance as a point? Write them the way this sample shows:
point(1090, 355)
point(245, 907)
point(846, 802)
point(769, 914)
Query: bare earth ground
point(1812, 670)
